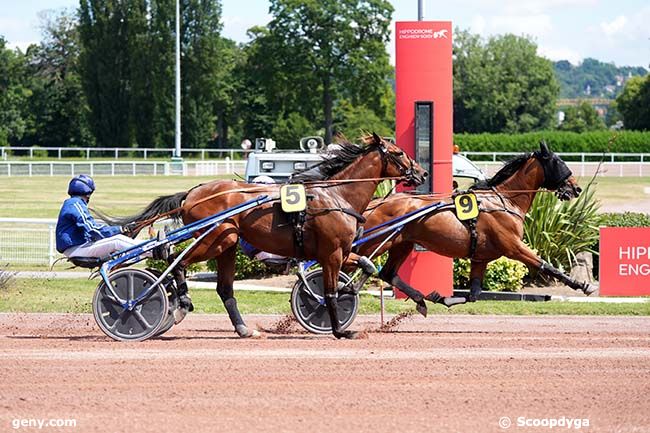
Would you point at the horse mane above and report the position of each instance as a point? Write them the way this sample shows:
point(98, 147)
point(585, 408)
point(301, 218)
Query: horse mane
point(509, 168)
point(337, 160)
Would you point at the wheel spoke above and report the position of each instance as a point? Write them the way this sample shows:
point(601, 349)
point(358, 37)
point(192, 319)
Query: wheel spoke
point(142, 319)
point(309, 317)
point(131, 287)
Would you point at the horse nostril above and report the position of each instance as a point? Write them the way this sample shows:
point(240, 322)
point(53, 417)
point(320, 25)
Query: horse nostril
point(425, 174)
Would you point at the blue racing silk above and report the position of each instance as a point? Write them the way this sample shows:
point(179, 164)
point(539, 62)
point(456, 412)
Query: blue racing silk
point(76, 226)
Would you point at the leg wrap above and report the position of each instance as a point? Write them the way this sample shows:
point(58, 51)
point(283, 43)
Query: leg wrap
point(332, 303)
point(475, 289)
point(549, 269)
point(233, 311)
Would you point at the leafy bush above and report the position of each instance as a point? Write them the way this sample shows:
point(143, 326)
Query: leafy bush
point(245, 267)
point(627, 219)
point(502, 274)
point(178, 248)
point(560, 230)
point(559, 141)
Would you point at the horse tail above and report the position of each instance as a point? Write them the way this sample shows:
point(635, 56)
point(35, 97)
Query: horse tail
point(162, 205)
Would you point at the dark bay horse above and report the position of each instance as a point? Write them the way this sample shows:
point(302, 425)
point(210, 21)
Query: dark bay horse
point(503, 201)
point(324, 232)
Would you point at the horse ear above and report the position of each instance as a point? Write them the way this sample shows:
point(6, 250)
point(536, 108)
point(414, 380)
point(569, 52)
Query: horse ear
point(544, 148)
point(376, 138)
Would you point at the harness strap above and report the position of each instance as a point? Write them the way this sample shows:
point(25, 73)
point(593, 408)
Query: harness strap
point(473, 237)
point(348, 210)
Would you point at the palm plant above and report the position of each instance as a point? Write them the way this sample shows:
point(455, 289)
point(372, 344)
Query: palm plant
point(558, 231)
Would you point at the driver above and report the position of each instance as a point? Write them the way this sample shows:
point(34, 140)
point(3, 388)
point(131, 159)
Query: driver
point(77, 232)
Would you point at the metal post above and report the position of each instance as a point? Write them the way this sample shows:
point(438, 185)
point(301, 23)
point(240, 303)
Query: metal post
point(381, 303)
point(178, 81)
point(51, 244)
point(420, 12)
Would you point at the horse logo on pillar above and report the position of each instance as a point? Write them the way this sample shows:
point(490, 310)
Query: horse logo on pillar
point(440, 34)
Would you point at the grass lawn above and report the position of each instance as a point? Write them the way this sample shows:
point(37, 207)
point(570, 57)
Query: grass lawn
point(614, 190)
point(75, 296)
point(41, 197)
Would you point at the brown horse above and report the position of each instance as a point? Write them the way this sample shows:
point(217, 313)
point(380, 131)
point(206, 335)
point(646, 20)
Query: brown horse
point(338, 190)
point(503, 201)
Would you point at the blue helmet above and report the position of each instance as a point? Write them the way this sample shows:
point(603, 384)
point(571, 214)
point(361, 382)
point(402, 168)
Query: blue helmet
point(81, 185)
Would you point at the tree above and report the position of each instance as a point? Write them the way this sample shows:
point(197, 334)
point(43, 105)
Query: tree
point(201, 70)
point(502, 85)
point(105, 32)
point(331, 49)
point(13, 95)
point(634, 103)
point(57, 106)
point(580, 118)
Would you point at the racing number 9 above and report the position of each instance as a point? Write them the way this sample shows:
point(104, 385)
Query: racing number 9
point(466, 206)
point(293, 198)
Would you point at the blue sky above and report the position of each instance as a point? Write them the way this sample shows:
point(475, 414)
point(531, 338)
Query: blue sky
point(610, 31)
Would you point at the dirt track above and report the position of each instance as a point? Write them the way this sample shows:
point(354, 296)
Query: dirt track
point(451, 374)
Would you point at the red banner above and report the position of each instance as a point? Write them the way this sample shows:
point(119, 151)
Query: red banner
point(625, 261)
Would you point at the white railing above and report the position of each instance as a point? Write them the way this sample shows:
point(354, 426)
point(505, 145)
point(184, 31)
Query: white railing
point(582, 157)
point(32, 241)
point(122, 168)
point(28, 241)
point(112, 152)
point(589, 169)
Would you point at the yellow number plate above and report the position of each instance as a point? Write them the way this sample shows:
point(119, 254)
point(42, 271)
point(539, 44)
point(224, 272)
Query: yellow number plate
point(293, 198)
point(466, 206)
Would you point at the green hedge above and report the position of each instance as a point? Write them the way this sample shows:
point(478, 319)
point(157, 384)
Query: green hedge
point(503, 274)
point(627, 219)
point(559, 141)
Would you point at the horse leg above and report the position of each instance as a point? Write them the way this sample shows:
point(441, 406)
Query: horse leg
point(223, 247)
point(331, 268)
point(396, 257)
point(225, 278)
point(527, 257)
point(476, 273)
point(185, 302)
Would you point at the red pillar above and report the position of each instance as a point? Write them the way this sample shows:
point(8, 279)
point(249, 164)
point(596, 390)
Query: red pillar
point(423, 69)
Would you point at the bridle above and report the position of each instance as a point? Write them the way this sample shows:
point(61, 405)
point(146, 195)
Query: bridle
point(556, 172)
point(405, 171)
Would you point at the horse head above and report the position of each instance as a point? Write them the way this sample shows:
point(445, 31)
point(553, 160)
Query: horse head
point(396, 162)
point(557, 176)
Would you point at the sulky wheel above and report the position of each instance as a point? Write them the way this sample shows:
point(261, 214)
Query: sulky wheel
point(139, 323)
point(310, 310)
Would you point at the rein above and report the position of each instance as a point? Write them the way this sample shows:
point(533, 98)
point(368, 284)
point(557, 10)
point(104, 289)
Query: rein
point(266, 188)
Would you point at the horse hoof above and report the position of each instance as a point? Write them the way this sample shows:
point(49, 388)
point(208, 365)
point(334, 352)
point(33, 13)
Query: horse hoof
point(421, 307)
point(349, 335)
point(244, 332)
point(589, 289)
point(367, 265)
point(450, 301)
point(179, 315)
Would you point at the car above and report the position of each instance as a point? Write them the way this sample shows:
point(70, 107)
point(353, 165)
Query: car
point(268, 164)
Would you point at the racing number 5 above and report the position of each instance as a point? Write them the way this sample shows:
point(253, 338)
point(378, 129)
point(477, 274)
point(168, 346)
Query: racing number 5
point(293, 198)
